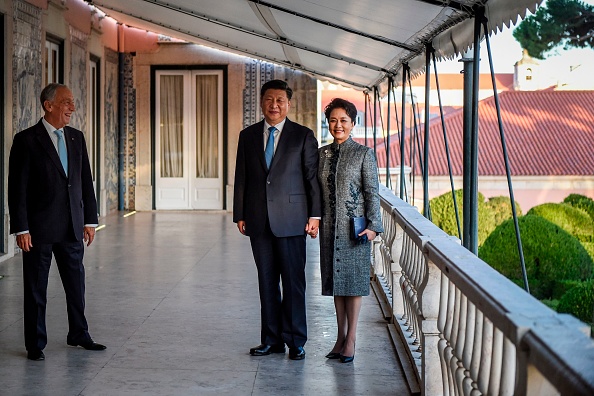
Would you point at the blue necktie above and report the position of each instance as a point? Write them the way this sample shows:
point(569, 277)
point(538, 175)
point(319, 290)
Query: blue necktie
point(62, 150)
point(269, 152)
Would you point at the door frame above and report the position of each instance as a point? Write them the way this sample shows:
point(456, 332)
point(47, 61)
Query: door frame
point(97, 138)
point(153, 98)
point(3, 241)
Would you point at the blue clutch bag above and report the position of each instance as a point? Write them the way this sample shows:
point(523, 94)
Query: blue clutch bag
point(358, 225)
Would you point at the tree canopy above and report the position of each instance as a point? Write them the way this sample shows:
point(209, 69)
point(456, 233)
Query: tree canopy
point(567, 23)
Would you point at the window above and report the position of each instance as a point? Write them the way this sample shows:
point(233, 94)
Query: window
point(54, 60)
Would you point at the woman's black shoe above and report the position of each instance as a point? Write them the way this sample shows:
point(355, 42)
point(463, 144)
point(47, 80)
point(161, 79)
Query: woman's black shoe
point(333, 355)
point(346, 359)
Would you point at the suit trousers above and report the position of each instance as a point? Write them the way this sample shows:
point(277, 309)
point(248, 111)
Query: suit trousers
point(36, 266)
point(282, 313)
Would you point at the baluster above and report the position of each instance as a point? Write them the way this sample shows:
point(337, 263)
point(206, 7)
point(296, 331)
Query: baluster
point(508, 372)
point(448, 333)
point(429, 305)
point(460, 343)
point(469, 340)
point(441, 326)
point(405, 257)
point(454, 363)
point(486, 356)
point(476, 349)
point(397, 250)
point(419, 260)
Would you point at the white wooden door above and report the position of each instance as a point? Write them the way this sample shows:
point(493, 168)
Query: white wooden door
point(188, 141)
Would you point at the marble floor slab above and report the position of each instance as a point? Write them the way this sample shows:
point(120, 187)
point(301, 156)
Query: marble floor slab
point(174, 296)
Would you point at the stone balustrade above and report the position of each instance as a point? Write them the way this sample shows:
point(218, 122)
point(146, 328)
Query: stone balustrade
point(467, 329)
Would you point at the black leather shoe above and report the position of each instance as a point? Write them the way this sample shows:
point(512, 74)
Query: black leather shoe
point(333, 355)
point(36, 355)
point(346, 359)
point(90, 345)
point(265, 349)
point(297, 353)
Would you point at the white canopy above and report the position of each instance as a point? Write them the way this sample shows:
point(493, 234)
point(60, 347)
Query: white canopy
point(356, 43)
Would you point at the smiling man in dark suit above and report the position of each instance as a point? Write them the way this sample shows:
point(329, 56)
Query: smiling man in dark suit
point(52, 210)
point(276, 203)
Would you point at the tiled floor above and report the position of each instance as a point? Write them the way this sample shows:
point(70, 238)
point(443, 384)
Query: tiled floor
point(174, 297)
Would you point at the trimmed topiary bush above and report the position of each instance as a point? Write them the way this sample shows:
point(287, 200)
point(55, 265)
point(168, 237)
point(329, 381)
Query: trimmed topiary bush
point(500, 209)
point(581, 202)
point(573, 220)
point(579, 301)
point(444, 216)
point(563, 286)
point(589, 246)
point(551, 254)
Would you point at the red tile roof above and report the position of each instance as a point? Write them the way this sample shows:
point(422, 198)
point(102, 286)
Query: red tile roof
point(547, 133)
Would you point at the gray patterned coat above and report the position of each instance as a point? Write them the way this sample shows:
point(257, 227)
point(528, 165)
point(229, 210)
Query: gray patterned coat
point(345, 265)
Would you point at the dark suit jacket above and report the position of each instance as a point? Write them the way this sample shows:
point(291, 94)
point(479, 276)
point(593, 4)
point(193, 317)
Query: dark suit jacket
point(289, 193)
point(41, 198)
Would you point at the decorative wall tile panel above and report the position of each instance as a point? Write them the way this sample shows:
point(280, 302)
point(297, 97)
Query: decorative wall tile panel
point(78, 79)
point(26, 65)
point(111, 130)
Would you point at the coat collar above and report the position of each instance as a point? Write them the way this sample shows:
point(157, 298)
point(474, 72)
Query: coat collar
point(346, 144)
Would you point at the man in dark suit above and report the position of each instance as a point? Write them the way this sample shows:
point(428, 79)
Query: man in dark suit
point(52, 210)
point(276, 203)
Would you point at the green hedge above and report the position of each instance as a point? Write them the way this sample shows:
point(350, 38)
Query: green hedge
point(491, 213)
point(443, 214)
point(573, 220)
point(551, 254)
point(579, 301)
point(500, 209)
point(581, 202)
point(589, 246)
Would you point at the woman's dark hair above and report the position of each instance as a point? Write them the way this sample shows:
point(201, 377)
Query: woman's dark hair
point(338, 103)
point(276, 84)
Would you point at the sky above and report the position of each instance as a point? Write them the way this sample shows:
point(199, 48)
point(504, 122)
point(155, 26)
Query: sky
point(506, 51)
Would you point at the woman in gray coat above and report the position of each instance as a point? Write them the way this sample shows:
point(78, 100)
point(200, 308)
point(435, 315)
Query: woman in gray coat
point(348, 176)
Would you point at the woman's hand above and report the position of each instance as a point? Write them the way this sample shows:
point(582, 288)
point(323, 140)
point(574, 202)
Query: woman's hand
point(370, 234)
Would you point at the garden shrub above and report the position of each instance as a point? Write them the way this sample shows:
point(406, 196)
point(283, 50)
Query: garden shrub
point(444, 216)
point(501, 210)
point(581, 202)
point(579, 301)
point(573, 220)
point(589, 246)
point(563, 286)
point(551, 254)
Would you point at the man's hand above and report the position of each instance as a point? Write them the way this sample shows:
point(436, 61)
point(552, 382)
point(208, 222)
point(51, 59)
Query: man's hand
point(24, 242)
point(241, 226)
point(89, 235)
point(312, 226)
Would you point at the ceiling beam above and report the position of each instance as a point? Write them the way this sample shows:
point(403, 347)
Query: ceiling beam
point(244, 51)
point(381, 39)
point(280, 40)
point(451, 4)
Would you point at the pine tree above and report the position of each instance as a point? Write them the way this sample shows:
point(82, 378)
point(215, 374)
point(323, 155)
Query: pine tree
point(567, 23)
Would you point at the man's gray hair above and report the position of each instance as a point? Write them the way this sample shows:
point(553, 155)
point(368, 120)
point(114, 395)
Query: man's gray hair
point(49, 93)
